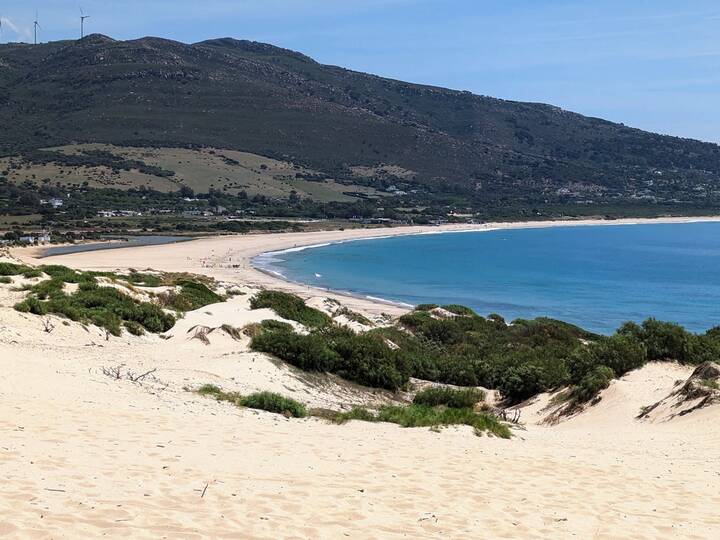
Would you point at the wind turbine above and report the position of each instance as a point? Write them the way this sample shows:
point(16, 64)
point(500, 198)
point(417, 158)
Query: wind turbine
point(82, 23)
point(36, 25)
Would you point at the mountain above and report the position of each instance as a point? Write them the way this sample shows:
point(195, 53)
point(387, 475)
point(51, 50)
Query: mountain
point(258, 98)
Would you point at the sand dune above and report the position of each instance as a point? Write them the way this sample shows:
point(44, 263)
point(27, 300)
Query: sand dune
point(85, 456)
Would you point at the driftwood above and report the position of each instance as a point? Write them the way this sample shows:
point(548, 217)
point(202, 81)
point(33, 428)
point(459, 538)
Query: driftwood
point(116, 373)
point(113, 372)
point(506, 415)
point(138, 378)
point(201, 333)
point(48, 325)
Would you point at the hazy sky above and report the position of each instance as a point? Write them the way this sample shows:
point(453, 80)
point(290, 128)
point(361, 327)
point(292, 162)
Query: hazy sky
point(652, 64)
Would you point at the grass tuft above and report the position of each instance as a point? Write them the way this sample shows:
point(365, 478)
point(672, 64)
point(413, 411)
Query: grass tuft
point(424, 416)
point(449, 397)
point(265, 401)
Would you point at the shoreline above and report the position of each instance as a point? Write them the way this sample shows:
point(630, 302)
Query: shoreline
point(149, 456)
point(230, 257)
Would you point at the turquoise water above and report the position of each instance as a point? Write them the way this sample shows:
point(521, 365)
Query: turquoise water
point(595, 276)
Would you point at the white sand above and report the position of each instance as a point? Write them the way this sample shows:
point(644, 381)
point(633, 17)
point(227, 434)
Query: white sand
point(84, 456)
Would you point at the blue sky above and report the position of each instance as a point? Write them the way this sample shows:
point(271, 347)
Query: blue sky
point(652, 64)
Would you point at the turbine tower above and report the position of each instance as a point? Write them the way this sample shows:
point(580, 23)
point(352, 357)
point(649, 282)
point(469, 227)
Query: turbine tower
point(82, 23)
point(36, 25)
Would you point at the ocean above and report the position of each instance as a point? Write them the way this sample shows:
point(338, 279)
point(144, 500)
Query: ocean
point(594, 276)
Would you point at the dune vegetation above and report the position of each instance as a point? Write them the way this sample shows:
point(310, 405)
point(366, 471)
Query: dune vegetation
point(454, 345)
point(266, 401)
point(291, 307)
point(107, 306)
point(426, 416)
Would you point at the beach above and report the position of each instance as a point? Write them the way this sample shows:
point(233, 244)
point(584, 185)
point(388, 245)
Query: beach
point(87, 455)
point(230, 257)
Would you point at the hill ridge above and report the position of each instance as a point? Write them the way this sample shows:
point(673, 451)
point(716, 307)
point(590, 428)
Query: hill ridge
point(259, 98)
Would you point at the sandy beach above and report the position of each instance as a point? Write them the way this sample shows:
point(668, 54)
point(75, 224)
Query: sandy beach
point(229, 257)
point(87, 456)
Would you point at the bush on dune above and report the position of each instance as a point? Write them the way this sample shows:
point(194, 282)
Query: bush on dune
point(414, 415)
point(192, 295)
point(308, 352)
point(105, 307)
point(592, 383)
point(290, 307)
point(266, 401)
point(143, 280)
point(669, 341)
point(520, 359)
point(457, 309)
point(362, 358)
point(449, 397)
point(12, 269)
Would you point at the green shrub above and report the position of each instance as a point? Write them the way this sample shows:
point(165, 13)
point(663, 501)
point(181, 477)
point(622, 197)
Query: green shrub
point(291, 307)
point(271, 402)
point(356, 413)
point(65, 274)
point(192, 295)
point(106, 307)
point(31, 273)
point(457, 309)
point(520, 359)
point(592, 383)
point(368, 360)
point(11, 269)
point(424, 416)
point(5, 279)
point(456, 398)
point(209, 389)
point(308, 352)
point(663, 340)
point(48, 288)
point(273, 325)
point(32, 305)
point(620, 353)
point(426, 307)
point(363, 358)
point(521, 382)
point(144, 280)
point(135, 328)
point(416, 319)
point(266, 401)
